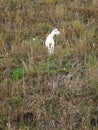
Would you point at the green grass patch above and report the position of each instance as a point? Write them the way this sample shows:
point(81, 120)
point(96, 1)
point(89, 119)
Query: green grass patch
point(17, 74)
point(49, 66)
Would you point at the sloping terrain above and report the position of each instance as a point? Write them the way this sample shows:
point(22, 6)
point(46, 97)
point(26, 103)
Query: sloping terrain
point(41, 92)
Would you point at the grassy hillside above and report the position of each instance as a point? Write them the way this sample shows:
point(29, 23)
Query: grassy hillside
point(41, 92)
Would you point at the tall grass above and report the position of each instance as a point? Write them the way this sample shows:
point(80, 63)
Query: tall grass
point(38, 91)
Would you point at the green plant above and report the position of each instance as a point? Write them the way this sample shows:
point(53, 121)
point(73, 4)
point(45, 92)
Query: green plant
point(18, 74)
point(17, 101)
point(92, 59)
point(49, 66)
point(1, 117)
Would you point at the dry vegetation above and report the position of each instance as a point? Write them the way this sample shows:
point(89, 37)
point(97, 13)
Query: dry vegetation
point(38, 92)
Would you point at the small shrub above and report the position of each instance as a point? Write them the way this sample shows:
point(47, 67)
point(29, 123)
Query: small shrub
point(18, 73)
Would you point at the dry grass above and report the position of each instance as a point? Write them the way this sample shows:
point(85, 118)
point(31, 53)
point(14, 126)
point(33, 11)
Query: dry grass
point(59, 92)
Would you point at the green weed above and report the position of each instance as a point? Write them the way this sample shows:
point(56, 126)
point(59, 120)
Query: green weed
point(18, 74)
point(92, 59)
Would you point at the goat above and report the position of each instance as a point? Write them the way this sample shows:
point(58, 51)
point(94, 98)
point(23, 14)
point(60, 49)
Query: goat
point(49, 42)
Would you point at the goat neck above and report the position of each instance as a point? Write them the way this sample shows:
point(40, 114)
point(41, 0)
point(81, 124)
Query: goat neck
point(52, 34)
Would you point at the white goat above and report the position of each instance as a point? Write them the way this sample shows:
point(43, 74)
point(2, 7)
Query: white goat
point(49, 43)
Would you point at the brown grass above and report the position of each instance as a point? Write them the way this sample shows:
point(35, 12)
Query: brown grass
point(37, 91)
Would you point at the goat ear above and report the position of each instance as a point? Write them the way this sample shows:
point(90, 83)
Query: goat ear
point(56, 29)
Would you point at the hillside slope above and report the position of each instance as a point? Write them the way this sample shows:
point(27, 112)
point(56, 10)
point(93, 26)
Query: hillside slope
point(37, 91)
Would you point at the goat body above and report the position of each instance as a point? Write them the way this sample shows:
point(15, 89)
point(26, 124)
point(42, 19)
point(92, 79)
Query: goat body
point(49, 43)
